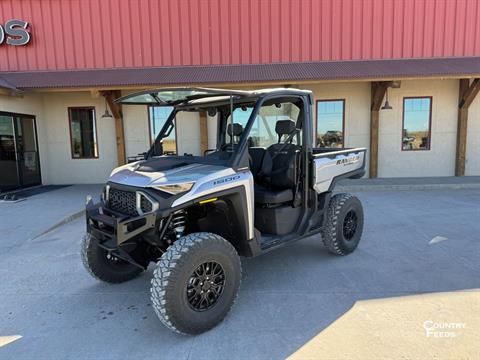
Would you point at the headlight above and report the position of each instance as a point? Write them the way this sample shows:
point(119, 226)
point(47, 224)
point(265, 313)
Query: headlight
point(174, 189)
point(105, 193)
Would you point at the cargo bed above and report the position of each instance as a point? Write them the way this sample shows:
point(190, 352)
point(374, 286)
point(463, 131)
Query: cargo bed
point(332, 164)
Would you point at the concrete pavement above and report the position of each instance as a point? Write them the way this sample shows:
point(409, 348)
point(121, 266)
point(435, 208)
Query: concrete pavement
point(410, 184)
point(288, 298)
point(391, 328)
point(26, 219)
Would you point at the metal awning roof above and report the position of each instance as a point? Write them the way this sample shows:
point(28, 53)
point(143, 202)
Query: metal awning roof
point(4, 84)
point(256, 73)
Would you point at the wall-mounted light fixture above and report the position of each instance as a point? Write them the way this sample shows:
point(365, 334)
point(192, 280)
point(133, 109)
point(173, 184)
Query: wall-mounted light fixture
point(386, 106)
point(107, 114)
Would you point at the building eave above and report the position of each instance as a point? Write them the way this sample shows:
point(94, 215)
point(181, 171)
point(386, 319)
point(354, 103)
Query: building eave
point(8, 87)
point(273, 73)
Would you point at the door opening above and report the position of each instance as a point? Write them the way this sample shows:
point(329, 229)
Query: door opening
point(19, 158)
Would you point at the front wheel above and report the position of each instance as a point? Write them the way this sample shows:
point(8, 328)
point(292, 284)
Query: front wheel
point(343, 225)
point(103, 265)
point(196, 283)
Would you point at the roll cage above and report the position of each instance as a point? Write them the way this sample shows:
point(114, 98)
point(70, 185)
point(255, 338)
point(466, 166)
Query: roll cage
point(223, 102)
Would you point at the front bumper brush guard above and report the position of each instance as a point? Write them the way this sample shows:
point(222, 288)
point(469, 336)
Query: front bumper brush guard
point(114, 229)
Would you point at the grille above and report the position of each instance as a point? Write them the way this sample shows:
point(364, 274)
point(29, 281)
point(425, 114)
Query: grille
point(125, 202)
point(122, 201)
point(145, 204)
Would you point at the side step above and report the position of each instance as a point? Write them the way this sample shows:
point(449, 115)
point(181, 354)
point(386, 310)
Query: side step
point(270, 242)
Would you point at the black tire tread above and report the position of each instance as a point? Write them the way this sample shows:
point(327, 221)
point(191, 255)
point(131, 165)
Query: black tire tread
point(329, 233)
point(167, 266)
point(94, 268)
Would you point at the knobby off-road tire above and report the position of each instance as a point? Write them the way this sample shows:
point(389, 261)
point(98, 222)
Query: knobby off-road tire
point(177, 285)
point(102, 266)
point(343, 226)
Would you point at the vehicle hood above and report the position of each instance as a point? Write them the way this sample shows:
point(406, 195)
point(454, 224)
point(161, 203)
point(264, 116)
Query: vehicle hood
point(130, 176)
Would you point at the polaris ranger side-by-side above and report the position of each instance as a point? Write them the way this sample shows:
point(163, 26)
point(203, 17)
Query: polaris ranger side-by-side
point(264, 185)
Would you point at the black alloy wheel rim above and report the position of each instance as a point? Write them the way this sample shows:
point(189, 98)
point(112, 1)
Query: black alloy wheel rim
point(350, 225)
point(205, 286)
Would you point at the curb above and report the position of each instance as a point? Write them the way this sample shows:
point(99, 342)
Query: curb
point(407, 187)
point(62, 222)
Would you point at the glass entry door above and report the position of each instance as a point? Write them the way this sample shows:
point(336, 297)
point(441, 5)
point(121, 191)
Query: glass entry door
point(19, 160)
point(8, 155)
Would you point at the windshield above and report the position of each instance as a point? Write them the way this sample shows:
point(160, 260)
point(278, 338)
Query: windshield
point(200, 132)
point(262, 133)
point(211, 130)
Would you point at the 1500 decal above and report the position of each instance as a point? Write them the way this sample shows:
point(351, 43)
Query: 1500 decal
point(227, 179)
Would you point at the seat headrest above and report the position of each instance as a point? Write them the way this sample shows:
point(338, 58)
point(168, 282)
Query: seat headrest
point(235, 130)
point(285, 127)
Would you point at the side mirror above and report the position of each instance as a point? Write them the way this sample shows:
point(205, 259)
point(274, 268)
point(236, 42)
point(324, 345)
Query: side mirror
point(212, 112)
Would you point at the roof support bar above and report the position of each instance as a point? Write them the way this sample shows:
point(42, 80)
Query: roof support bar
point(379, 89)
point(467, 93)
point(116, 110)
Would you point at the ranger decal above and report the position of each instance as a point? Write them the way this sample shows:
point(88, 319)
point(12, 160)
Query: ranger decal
point(349, 161)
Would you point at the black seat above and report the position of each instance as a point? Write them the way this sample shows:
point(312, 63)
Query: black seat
point(278, 173)
point(234, 131)
point(256, 159)
point(268, 196)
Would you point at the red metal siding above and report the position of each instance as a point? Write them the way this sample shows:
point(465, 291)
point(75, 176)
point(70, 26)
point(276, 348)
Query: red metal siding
point(79, 34)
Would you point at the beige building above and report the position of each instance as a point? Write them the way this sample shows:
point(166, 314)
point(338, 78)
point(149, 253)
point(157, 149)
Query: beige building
point(350, 121)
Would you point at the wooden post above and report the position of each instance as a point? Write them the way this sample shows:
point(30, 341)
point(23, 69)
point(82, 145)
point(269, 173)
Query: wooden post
point(462, 120)
point(374, 122)
point(378, 93)
point(466, 95)
point(116, 110)
point(203, 132)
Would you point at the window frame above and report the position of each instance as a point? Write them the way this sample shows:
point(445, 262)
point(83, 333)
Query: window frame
point(69, 109)
point(151, 142)
point(429, 122)
point(343, 100)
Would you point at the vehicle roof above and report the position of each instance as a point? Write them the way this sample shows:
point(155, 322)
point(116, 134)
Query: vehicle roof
point(183, 95)
point(278, 90)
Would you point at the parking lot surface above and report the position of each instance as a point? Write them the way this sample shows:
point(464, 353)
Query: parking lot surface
point(296, 301)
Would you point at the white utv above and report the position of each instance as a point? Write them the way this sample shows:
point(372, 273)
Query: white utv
point(263, 186)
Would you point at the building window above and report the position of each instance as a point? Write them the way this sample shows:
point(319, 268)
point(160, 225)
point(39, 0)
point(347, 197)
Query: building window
point(262, 133)
point(417, 115)
point(83, 132)
point(158, 116)
point(330, 123)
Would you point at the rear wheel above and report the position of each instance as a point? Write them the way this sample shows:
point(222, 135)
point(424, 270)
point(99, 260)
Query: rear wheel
point(195, 283)
point(343, 226)
point(104, 266)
